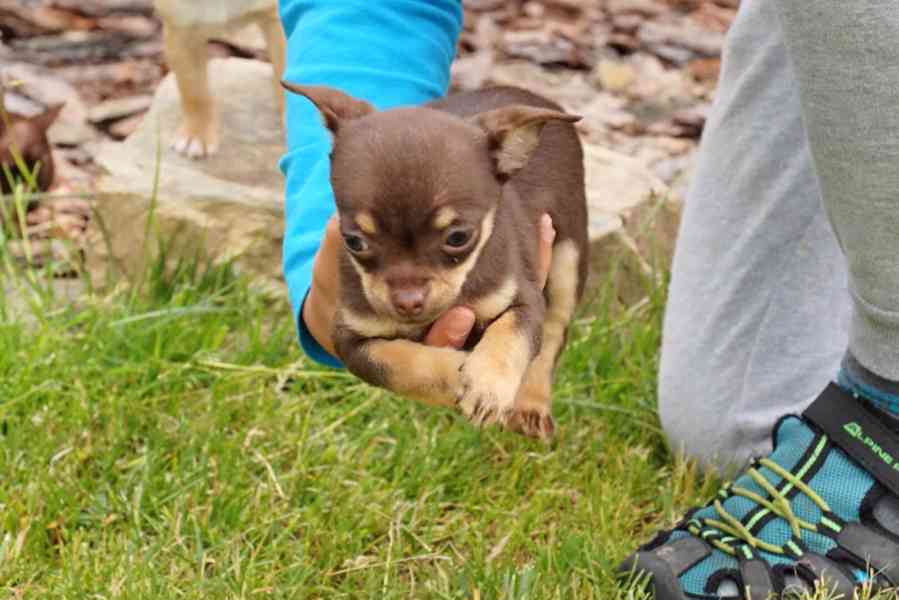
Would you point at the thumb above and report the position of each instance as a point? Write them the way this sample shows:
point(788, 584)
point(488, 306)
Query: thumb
point(452, 328)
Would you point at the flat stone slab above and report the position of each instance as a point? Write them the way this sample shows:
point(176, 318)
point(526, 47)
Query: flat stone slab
point(228, 205)
point(634, 219)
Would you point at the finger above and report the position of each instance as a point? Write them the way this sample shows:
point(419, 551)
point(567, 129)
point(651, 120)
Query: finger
point(545, 251)
point(321, 301)
point(452, 328)
point(324, 271)
point(331, 242)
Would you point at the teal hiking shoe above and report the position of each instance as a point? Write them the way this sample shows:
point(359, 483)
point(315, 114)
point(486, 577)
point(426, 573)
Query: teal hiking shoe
point(822, 509)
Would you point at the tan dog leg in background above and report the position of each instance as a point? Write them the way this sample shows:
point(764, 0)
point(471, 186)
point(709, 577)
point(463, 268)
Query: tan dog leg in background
point(185, 52)
point(533, 414)
point(276, 44)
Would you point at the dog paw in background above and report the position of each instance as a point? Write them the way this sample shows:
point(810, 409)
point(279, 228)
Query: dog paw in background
point(187, 27)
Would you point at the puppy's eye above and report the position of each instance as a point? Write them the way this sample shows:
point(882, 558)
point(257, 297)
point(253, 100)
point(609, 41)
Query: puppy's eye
point(355, 243)
point(458, 238)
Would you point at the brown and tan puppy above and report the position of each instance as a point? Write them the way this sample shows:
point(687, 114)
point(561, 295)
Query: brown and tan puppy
point(440, 206)
point(25, 139)
point(187, 27)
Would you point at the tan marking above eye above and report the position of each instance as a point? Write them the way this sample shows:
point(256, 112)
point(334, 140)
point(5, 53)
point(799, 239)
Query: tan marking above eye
point(445, 217)
point(366, 223)
point(450, 282)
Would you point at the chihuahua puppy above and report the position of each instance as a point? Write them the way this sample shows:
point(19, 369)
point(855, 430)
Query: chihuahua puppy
point(187, 27)
point(440, 206)
point(25, 138)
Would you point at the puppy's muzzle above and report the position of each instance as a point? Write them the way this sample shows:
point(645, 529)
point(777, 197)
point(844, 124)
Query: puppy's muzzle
point(409, 301)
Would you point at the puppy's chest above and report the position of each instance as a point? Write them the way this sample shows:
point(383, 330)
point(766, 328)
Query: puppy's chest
point(217, 14)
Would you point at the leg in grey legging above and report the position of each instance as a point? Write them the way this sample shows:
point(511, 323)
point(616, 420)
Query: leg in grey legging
point(758, 310)
point(846, 57)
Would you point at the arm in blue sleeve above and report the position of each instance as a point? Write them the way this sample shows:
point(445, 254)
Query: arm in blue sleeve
point(388, 52)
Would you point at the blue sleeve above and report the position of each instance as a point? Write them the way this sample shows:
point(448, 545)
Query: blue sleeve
point(388, 52)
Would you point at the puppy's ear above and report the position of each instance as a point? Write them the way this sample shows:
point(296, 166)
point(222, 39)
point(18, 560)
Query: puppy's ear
point(43, 121)
point(334, 105)
point(513, 133)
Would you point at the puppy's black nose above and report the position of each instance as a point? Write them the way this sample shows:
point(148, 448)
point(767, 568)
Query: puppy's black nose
point(409, 301)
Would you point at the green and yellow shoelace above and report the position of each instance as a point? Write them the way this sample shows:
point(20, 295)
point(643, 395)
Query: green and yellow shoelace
point(735, 531)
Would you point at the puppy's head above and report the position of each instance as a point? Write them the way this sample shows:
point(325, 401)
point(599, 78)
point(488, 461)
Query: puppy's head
point(417, 190)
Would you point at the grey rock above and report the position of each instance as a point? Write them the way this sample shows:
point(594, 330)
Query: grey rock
point(19, 104)
point(617, 183)
point(470, 72)
point(226, 207)
point(633, 222)
point(100, 8)
point(693, 116)
point(118, 108)
point(646, 8)
point(541, 47)
point(72, 47)
point(121, 129)
point(669, 169)
point(570, 89)
point(674, 54)
point(682, 33)
point(132, 25)
point(483, 5)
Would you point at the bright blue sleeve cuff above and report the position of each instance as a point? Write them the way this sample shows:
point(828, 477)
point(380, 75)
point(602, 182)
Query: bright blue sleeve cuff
point(388, 52)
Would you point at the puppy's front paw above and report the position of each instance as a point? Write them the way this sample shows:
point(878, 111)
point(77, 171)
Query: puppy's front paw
point(532, 416)
point(534, 423)
point(486, 396)
point(196, 142)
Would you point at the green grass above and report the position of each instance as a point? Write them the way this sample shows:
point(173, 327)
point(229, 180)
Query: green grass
point(170, 441)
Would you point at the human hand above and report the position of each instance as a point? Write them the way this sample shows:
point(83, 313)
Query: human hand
point(320, 306)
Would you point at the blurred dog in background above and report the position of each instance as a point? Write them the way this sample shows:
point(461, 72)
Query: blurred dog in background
point(23, 140)
point(188, 25)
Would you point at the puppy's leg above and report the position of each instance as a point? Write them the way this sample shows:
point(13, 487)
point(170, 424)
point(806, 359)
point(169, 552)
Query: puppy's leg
point(424, 373)
point(493, 371)
point(185, 52)
point(270, 24)
point(532, 415)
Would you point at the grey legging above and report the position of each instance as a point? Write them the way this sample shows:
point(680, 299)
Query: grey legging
point(789, 249)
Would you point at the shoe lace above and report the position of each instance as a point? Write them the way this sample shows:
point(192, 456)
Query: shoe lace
point(777, 503)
